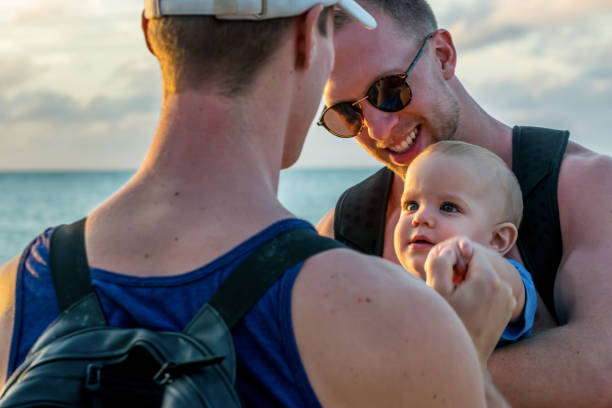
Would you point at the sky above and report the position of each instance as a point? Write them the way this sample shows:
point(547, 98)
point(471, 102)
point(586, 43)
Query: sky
point(79, 90)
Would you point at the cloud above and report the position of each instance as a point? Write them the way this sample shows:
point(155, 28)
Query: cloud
point(46, 129)
point(86, 94)
point(101, 144)
point(52, 12)
point(57, 108)
point(479, 23)
point(16, 70)
point(41, 12)
point(581, 105)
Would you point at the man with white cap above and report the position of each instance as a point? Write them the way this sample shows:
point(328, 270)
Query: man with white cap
point(340, 329)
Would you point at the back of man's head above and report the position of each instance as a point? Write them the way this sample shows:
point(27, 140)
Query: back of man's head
point(225, 42)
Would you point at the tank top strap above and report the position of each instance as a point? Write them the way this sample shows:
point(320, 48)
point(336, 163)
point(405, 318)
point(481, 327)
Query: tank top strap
point(360, 215)
point(536, 159)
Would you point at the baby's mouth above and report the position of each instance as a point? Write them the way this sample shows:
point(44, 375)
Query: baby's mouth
point(421, 241)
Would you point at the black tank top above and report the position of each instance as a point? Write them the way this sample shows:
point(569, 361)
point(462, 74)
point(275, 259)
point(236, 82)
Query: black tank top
point(359, 220)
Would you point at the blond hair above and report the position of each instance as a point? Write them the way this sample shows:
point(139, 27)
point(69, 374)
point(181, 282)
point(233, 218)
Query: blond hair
point(499, 171)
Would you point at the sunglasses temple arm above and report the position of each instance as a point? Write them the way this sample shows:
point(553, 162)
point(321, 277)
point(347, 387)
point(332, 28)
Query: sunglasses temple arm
point(357, 102)
point(419, 54)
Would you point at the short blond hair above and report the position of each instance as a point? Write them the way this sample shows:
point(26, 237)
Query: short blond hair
point(500, 172)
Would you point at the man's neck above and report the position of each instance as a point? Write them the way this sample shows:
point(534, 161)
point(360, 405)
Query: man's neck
point(210, 136)
point(478, 127)
point(207, 183)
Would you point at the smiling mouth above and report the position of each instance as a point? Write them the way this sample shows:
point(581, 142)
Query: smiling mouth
point(405, 144)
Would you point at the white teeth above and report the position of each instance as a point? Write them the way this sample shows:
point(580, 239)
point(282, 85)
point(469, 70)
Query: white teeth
point(405, 144)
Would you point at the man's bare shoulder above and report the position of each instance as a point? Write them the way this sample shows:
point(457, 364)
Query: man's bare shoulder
point(8, 281)
point(371, 334)
point(580, 157)
point(584, 197)
point(585, 190)
point(325, 226)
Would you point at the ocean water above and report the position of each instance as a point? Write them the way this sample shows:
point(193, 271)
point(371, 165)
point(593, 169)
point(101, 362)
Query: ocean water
point(31, 201)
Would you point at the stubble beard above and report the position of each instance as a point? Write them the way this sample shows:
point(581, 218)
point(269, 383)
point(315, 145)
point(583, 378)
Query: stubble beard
point(443, 125)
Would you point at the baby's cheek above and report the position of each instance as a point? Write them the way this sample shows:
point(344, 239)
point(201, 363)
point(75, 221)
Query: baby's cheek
point(416, 266)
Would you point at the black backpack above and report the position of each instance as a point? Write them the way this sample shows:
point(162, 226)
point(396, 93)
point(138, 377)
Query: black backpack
point(80, 361)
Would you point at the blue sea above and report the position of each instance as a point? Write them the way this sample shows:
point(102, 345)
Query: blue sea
point(32, 201)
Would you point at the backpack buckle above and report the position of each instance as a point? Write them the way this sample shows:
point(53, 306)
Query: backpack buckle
point(92, 377)
point(163, 376)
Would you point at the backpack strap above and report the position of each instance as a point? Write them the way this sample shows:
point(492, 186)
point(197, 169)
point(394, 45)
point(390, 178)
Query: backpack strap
point(240, 291)
point(69, 267)
point(77, 302)
point(361, 211)
point(256, 274)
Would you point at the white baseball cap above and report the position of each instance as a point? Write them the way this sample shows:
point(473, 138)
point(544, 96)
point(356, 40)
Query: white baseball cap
point(251, 9)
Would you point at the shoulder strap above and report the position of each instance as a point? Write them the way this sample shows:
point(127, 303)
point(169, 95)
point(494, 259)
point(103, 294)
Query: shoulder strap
point(360, 215)
point(536, 159)
point(69, 267)
point(258, 272)
point(536, 152)
point(241, 290)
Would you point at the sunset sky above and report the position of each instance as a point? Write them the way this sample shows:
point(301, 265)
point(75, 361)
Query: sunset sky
point(79, 90)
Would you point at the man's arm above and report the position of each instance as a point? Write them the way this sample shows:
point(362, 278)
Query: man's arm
point(569, 365)
point(369, 334)
point(8, 277)
point(325, 226)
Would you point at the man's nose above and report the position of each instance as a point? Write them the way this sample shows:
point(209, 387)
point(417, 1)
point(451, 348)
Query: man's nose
point(379, 124)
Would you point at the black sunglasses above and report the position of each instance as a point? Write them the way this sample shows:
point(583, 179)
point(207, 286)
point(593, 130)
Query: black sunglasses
point(389, 94)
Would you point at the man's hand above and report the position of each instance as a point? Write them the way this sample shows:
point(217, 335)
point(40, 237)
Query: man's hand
point(481, 299)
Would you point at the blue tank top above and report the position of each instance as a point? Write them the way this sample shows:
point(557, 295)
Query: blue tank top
point(269, 372)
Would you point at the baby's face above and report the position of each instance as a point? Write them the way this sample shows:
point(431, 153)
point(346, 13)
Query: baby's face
point(443, 197)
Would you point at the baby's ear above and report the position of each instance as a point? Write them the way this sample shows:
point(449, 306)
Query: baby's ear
point(503, 237)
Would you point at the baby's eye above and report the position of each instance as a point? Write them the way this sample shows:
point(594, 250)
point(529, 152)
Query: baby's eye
point(449, 207)
point(410, 206)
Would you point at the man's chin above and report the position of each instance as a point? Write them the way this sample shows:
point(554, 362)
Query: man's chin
point(400, 170)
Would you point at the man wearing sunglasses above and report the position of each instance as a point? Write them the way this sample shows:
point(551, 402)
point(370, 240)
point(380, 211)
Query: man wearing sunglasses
point(394, 90)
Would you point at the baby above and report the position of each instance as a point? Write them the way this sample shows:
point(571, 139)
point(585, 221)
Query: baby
point(457, 189)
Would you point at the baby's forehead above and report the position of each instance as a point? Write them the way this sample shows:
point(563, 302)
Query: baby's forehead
point(477, 177)
point(437, 164)
point(472, 164)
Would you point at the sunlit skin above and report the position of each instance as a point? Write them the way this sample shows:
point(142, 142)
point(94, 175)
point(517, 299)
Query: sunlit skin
point(444, 197)
point(383, 52)
point(447, 197)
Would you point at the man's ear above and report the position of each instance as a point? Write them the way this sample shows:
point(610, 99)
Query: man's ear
point(445, 52)
point(144, 24)
point(308, 36)
point(503, 237)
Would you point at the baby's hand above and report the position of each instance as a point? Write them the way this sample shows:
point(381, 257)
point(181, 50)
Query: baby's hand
point(463, 253)
point(457, 252)
point(461, 272)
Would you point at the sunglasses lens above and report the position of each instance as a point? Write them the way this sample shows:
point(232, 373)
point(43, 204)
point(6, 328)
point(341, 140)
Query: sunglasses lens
point(390, 94)
point(343, 120)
